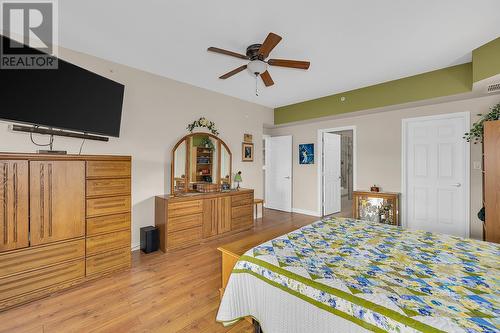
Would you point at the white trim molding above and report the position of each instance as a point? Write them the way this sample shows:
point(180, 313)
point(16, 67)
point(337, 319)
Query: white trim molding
point(306, 212)
point(320, 160)
point(404, 124)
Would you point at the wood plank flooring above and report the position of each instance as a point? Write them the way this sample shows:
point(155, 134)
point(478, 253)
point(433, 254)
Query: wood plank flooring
point(173, 292)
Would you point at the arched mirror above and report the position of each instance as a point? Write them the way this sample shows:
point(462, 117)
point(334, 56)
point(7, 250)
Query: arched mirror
point(199, 159)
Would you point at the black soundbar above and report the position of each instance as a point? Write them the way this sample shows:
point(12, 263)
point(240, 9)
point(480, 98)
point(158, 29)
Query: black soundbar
point(48, 131)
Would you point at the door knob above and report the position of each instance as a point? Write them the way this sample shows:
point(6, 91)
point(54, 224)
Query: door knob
point(456, 185)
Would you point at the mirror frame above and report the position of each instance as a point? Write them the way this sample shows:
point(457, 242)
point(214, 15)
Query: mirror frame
point(219, 145)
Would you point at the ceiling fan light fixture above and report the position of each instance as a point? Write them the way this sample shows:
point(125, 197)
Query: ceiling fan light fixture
point(257, 67)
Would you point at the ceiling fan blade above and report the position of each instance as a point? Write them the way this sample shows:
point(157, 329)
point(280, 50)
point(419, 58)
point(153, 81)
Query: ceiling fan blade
point(271, 41)
point(289, 63)
point(266, 77)
point(226, 52)
point(234, 71)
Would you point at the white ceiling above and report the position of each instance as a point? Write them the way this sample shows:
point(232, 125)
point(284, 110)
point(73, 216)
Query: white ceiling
point(350, 43)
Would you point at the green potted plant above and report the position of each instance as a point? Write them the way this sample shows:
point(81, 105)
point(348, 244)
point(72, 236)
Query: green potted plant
point(207, 143)
point(476, 132)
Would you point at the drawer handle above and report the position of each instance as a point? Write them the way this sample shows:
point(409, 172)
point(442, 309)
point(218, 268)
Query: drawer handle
point(42, 199)
point(5, 203)
point(15, 201)
point(50, 199)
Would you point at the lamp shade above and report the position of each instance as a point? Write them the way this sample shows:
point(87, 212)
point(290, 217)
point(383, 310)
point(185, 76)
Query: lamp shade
point(257, 67)
point(237, 177)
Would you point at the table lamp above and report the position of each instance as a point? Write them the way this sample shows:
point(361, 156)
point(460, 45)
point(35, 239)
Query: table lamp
point(237, 179)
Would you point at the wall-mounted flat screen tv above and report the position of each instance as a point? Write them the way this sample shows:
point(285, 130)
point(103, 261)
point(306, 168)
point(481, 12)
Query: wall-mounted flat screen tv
point(69, 97)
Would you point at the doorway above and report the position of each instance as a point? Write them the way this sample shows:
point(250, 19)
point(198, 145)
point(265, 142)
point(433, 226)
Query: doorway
point(436, 173)
point(278, 172)
point(336, 170)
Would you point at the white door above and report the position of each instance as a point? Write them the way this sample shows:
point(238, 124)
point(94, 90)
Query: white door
point(279, 173)
point(332, 191)
point(436, 175)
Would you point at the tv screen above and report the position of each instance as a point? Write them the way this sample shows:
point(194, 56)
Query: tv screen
point(69, 97)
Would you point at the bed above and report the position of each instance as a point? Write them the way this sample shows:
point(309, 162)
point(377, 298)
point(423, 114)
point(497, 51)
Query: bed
point(347, 275)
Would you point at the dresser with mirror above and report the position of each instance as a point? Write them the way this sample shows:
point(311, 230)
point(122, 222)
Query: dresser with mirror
point(202, 204)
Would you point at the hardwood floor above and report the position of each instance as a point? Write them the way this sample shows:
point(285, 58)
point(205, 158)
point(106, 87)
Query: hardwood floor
point(173, 292)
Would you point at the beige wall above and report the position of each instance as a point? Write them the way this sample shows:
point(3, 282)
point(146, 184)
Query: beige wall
point(155, 114)
point(379, 152)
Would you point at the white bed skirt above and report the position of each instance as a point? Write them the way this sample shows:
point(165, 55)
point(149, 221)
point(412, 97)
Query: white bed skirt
point(276, 310)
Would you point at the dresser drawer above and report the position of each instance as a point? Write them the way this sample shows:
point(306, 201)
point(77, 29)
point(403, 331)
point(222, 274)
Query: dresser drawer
point(184, 222)
point(108, 223)
point(185, 208)
point(183, 238)
point(241, 222)
point(41, 256)
point(109, 261)
point(108, 206)
point(103, 243)
point(108, 169)
point(242, 211)
point(242, 199)
point(103, 187)
point(27, 282)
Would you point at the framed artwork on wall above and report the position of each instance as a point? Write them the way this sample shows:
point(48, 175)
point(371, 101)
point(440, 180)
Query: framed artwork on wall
point(306, 153)
point(247, 138)
point(247, 152)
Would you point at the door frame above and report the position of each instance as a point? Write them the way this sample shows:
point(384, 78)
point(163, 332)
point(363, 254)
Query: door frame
point(320, 161)
point(404, 125)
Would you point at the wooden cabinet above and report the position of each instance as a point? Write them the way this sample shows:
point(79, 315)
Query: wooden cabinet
point(216, 216)
point(241, 211)
point(108, 216)
point(187, 220)
point(382, 207)
point(63, 219)
point(57, 200)
point(210, 217)
point(13, 204)
point(224, 217)
point(491, 181)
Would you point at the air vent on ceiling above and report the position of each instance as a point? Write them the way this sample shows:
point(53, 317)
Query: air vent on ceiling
point(494, 88)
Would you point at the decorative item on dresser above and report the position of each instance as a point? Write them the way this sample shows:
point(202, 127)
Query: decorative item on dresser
point(186, 220)
point(380, 207)
point(491, 180)
point(63, 219)
point(238, 179)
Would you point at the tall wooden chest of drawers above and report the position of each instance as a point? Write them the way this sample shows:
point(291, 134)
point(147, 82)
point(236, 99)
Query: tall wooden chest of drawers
point(63, 220)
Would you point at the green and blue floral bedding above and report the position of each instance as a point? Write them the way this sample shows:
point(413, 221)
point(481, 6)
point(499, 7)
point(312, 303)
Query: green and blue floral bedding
point(384, 278)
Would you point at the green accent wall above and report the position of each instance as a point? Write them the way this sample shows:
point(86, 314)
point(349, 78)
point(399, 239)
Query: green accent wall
point(486, 61)
point(443, 82)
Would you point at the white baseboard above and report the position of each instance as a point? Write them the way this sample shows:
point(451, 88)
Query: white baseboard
point(135, 247)
point(306, 212)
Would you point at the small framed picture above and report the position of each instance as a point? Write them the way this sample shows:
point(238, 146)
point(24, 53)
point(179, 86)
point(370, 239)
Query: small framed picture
point(247, 152)
point(247, 138)
point(306, 153)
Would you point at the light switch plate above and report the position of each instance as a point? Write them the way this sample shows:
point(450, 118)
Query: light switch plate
point(476, 165)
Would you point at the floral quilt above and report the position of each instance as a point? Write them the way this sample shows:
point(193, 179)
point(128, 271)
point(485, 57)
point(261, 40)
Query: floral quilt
point(384, 278)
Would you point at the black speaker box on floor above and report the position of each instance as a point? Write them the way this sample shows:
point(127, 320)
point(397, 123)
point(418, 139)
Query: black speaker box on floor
point(149, 239)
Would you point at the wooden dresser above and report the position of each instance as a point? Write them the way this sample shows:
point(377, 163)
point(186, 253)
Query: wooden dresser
point(189, 219)
point(491, 180)
point(63, 219)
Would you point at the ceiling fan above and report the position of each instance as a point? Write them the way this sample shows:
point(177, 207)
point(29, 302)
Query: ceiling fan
point(257, 54)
